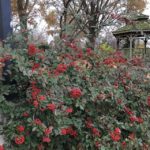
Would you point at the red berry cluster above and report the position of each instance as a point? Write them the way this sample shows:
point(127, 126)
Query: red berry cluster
point(69, 131)
point(148, 101)
point(117, 58)
point(2, 147)
point(75, 93)
point(61, 68)
point(95, 131)
point(20, 128)
point(116, 135)
point(51, 107)
point(19, 139)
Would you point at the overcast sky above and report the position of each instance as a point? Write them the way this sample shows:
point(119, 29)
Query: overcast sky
point(147, 10)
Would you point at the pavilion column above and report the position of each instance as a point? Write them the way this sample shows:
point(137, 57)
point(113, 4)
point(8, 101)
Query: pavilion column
point(131, 40)
point(5, 18)
point(118, 43)
point(145, 43)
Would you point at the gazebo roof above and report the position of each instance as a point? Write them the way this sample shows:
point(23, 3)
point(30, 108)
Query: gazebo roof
point(139, 23)
point(139, 17)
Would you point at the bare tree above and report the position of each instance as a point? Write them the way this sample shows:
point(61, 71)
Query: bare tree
point(89, 16)
point(22, 9)
point(97, 15)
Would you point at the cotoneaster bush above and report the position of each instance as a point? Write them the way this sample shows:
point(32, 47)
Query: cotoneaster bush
point(76, 99)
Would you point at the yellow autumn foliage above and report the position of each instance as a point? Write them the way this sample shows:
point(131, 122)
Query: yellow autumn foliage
point(14, 7)
point(136, 5)
point(50, 18)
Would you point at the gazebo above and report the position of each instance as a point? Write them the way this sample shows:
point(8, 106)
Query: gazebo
point(138, 27)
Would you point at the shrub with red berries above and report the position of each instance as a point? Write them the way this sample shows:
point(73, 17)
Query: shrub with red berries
point(76, 99)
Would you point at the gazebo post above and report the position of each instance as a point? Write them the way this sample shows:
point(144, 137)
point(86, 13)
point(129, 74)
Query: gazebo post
point(118, 42)
point(130, 39)
point(145, 43)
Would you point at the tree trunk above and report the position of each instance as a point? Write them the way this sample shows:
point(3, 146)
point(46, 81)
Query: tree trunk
point(23, 16)
point(91, 41)
point(23, 21)
point(23, 24)
point(92, 34)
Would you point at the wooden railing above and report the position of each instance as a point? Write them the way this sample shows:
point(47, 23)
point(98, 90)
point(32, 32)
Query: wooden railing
point(137, 52)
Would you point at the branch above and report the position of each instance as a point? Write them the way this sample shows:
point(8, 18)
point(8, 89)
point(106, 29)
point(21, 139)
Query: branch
point(26, 5)
point(35, 1)
point(76, 13)
point(19, 6)
point(85, 7)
